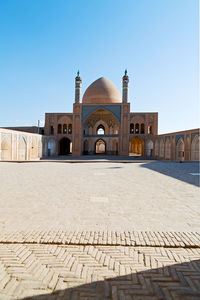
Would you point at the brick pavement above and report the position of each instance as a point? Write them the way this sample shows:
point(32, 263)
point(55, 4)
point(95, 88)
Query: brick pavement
point(116, 238)
point(46, 271)
point(65, 231)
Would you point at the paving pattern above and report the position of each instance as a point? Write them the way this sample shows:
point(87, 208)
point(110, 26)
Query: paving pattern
point(95, 231)
point(98, 272)
point(116, 238)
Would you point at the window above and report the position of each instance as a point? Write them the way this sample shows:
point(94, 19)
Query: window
point(70, 128)
point(59, 128)
point(65, 128)
point(150, 129)
point(131, 128)
point(100, 130)
point(142, 128)
point(51, 130)
point(136, 128)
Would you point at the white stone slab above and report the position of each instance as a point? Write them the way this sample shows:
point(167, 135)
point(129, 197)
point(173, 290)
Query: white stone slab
point(99, 199)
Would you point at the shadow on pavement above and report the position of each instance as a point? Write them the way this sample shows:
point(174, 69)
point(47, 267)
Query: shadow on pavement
point(178, 281)
point(180, 171)
point(96, 157)
point(115, 168)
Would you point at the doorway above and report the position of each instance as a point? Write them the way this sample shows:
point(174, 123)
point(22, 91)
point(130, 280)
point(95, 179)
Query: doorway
point(100, 147)
point(64, 146)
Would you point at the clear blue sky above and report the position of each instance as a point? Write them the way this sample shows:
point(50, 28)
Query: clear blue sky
point(44, 42)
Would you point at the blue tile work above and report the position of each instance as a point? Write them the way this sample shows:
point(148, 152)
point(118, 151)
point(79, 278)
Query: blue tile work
point(194, 134)
point(88, 109)
point(178, 137)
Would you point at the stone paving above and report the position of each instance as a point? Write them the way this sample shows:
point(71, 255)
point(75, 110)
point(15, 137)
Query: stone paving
point(101, 196)
point(46, 271)
point(99, 231)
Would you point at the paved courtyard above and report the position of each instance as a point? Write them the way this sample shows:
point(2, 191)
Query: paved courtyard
point(99, 196)
point(99, 230)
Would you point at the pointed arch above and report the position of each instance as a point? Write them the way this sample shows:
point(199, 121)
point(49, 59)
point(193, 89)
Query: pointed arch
point(22, 149)
point(100, 129)
point(162, 148)
point(167, 149)
point(6, 149)
point(195, 147)
point(149, 148)
point(180, 148)
point(34, 150)
point(100, 146)
point(65, 146)
point(136, 146)
point(156, 148)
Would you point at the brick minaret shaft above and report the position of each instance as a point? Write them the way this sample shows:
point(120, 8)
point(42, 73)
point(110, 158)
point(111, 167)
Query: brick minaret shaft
point(125, 81)
point(78, 85)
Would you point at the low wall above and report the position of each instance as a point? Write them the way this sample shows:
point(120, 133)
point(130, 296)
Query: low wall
point(19, 145)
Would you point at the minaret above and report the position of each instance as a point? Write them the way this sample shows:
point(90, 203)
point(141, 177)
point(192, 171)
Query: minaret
point(78, 85)
point(125, 81)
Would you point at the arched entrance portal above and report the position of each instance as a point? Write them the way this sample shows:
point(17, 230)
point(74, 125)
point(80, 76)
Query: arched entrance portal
point(65, 146)
point(136, 146)
point(100, 147)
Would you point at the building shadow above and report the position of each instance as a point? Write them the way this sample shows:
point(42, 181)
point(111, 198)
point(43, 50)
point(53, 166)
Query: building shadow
point(186, 172)
point(115, 168)
point(178, 281)
point(96, 157)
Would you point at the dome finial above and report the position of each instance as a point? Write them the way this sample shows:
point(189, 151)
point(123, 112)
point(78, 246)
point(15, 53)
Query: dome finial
point(78, 74)
point(125, 73)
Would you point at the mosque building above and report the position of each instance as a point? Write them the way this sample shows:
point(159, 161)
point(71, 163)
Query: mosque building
point(101, 123)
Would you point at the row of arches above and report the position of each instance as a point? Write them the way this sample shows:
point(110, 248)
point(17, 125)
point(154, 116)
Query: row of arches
point(137, 147)
point(136, 128)
point(140, 128)
point(64, 128)
point(21, 148)
point(64, 147)
point(100, 146)
point(6, 149)
point(163, 148)
point(61, 129)
point(159, 148)
point(182, 149)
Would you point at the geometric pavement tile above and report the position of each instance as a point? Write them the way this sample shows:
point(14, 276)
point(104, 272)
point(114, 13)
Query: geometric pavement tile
point(46, 271)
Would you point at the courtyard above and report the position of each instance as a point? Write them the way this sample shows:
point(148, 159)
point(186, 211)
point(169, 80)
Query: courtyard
point(158, 196)
point(99, 229)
